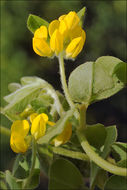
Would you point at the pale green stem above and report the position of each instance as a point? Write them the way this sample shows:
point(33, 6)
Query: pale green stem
point(63, 81)
point(97, 159)
point(34, 150)
point(70, 153)
point(82, 109)
point(5, 131)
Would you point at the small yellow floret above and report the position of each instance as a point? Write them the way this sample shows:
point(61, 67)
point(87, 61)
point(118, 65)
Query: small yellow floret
point(38, 127)
point(40, 45)
point(75, 47)
point(19, 130)
point(53, 26)
point(41, 32)
point(56, 42)
point(72, 20)
point(64, 136)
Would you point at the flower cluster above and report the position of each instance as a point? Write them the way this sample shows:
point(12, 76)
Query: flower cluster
point(62, 35)
point(20, 139)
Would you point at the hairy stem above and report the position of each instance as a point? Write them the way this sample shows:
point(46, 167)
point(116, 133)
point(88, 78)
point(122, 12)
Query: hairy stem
point(63, 80)
point(70, 153)
point(97, 159)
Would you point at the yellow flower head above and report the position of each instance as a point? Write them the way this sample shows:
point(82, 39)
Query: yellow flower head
point(20, 140)
point(65, 35)
point(19, 130)
point(64, 136)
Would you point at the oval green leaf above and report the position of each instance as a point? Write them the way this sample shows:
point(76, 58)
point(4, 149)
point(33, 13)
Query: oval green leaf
point(64, 175)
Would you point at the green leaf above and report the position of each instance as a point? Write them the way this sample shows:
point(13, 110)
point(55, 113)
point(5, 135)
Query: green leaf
point(57, 129)
point(34, 181)
point(116, 183)
point(110, 139)
point(120, 149)
point(31, 80)
point(98, 139)
point(20, 167)
point(19, 99)
point(106, 72)
point(12, 181)
point(43, 100)
point(45, 157)
point(94, 81)
point(80, 82)
point(81, 15)
point(12, 87)
point(34, 22)
point(64, 175)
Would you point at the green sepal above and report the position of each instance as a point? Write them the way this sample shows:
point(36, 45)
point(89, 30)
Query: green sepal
point(34, 22)
point(81, 15)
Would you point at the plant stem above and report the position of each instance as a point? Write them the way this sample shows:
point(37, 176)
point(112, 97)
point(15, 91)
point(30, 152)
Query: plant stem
point(70, 153)
point(34, 150)
point(97, 159)
point(5, 131)
point(63, 81)
point(82, 117)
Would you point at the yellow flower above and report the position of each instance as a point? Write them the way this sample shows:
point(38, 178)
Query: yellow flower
point(64, 136)
point(66, 35)
point(19, 130)
point(40, 45)
point(38, 127)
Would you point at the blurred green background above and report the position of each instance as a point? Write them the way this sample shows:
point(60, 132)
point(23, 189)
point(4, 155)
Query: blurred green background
point(105, 26)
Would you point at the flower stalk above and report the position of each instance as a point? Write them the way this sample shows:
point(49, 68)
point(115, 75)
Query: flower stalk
point(63, 80)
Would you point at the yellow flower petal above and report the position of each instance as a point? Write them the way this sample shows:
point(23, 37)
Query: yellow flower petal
point(56, 42)
point(41, 33)
point(61, 17)
point(75, 47)
point(50, 123)
point(45, 117)
point(77, 32)
point(72, 20)
point(78, 49)
point(20, 127)
point(32, 116)
point(63, 28)
point(41, 47)
point(18, 143)
point(53, 26)
point(64, 136)
point(38, 127)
